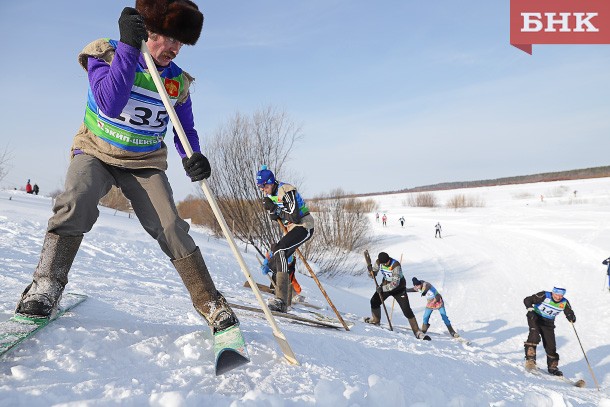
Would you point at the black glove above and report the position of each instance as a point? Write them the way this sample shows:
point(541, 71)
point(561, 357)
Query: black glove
point(132, 28)
point(197, 167)
point(269, 205)
point(379, 290)
point(273, 216)
point(571, 318)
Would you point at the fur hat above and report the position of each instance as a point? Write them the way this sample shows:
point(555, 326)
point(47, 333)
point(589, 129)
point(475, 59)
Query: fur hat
point(178, 19)
point(383, 258)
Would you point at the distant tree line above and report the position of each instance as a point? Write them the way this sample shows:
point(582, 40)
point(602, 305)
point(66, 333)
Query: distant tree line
point(585, 173)
point(429, 200)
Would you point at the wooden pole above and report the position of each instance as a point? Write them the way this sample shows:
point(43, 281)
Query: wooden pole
point(315, 278)
point(586, 359)
point(394, 299)
point(277, 333)
point(369, 266)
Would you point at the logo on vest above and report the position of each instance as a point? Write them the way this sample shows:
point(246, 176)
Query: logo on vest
point(172, 87)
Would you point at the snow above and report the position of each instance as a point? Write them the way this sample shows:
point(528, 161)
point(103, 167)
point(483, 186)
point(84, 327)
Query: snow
point(137, 341)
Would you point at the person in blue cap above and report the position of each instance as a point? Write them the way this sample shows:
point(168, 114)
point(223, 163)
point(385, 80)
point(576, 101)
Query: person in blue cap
point(542, 308)
point(283, 202)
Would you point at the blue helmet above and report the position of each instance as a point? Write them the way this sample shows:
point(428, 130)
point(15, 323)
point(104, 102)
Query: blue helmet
point(264, 176)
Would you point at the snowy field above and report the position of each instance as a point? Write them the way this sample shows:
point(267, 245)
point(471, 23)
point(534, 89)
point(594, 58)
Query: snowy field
point(137, 341)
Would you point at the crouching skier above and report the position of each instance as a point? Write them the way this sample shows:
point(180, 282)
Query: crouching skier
point(283, 202)
point(120, 143)
point(435, 301)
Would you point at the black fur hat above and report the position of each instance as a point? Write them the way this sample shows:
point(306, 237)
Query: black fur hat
point(178, 19)
point(383, 258)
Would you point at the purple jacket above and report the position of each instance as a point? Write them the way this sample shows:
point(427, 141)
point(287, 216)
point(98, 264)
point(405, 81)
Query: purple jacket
point(111, 86)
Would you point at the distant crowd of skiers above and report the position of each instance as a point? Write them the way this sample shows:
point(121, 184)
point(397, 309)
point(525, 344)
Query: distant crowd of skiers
point(384, 220)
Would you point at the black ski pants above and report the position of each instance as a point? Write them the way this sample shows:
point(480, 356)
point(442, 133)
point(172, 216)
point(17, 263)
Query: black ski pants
point(399, 294)
point(543, 328)
point(286, 247)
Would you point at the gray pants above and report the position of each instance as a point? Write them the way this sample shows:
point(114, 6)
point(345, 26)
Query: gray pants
point(89, 179)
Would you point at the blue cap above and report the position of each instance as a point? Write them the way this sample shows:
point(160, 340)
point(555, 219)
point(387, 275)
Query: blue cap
point(559, 291)
point(265, 176)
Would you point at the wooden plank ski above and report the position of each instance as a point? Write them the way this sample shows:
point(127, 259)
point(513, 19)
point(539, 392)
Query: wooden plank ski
point(460, 339)
point(280, 338)
point(315, 278)
point(538, 372)
point(19, 327)
point(398, 329)
point(262, 287)
point(229, 350)
point(325, 318)
point(578, 383)
point(303, 310)
point(307, 304)
point(294, 317)
point(269, 290)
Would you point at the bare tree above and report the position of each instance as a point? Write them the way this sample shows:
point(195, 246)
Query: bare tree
point(342, 227)
point(199, 212)
point(5, 158)
point(424, 199)
point(463, 201)
point(236, 154)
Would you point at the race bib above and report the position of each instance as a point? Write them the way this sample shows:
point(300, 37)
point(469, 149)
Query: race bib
point(548, 310)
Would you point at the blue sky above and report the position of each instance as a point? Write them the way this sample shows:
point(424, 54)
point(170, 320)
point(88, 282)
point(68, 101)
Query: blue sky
point(389, 94)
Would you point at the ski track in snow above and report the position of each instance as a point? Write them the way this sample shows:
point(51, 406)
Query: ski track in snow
point(138, 341)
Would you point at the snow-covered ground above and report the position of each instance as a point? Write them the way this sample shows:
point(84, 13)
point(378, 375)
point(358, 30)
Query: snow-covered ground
point(137, 341)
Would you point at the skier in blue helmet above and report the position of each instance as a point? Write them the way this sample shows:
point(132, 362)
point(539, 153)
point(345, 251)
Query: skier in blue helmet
point(283, 202)
point(542, 308)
